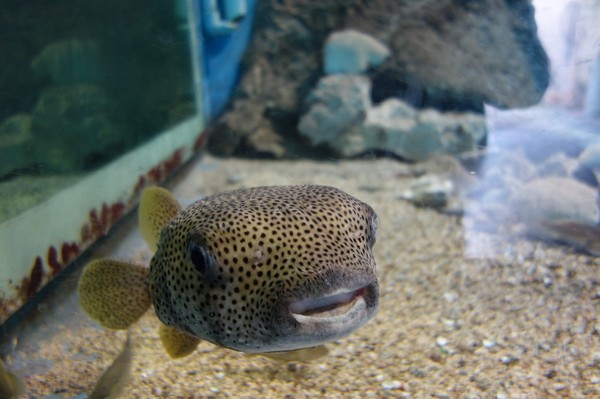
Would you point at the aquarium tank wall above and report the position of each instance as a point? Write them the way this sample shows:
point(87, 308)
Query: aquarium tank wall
point(94, 109)
point(293, 198)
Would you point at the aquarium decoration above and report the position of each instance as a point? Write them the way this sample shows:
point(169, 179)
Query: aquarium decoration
point(442, 58)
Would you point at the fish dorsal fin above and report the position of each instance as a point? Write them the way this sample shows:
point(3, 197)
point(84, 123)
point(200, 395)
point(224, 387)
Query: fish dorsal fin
point(177, 344)
point(114, 293)
point(157, 207)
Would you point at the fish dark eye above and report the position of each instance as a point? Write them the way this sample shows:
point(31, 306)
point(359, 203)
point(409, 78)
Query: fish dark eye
point(201, 259)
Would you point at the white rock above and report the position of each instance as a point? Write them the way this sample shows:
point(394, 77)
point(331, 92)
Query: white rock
point(430, 191)
point(451, 324)
point(340, 115)
point(351, 51)
point(450, 296)
point(389, 385)
point(501, 394)
point(508, 359)
point(488, 343)
point(417, 135)
point(337, 104)
point(390, 112)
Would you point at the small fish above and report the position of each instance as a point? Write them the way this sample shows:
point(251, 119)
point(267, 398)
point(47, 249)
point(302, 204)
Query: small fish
point(265, 269)
point(114, 379)
point(11, 386)
point(580, 235)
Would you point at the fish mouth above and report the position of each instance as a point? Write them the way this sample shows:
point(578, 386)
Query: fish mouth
point(328, 306)
point(309, 321)
point(318, 320)
point(335, 314)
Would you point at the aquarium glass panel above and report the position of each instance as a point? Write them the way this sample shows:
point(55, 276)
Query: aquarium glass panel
point(82, 83)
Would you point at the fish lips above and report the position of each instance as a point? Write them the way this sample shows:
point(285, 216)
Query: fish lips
point(332, 315)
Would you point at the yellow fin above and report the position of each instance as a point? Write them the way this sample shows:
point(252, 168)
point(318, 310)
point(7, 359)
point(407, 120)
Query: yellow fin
point(114, 293)
point(177, 343)
point(114, 379)
point(157, 207)
point(11, 386)
point(305, 355)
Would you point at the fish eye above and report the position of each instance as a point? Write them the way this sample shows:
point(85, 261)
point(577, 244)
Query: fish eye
point(201, 259)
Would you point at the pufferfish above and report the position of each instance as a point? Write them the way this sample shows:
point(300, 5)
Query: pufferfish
point(258, 270)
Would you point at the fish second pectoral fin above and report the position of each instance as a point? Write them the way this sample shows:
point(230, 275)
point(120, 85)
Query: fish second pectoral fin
point(114, 293)
point(157, 207)
point(177, 343)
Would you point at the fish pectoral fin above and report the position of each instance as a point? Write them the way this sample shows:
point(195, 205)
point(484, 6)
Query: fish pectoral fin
point(157, 207)
point(114, 292)
point(177, 343)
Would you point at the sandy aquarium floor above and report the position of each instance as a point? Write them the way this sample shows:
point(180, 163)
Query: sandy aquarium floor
point(517, 319)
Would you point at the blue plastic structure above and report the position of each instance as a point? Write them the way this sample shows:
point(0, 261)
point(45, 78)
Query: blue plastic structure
point(225, 33)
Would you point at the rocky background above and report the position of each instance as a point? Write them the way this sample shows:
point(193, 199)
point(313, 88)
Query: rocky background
point(345, 77)
point(410, 79)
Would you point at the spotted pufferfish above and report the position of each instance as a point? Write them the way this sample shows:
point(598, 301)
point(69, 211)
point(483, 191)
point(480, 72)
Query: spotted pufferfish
point(268, 269)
